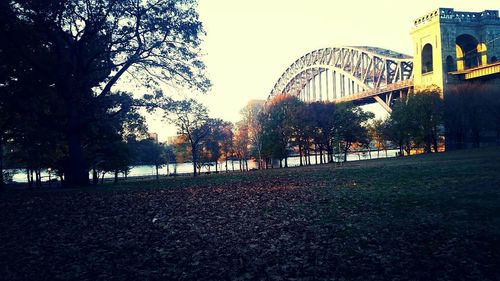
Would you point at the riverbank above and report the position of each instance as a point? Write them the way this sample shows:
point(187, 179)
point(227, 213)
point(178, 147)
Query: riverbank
point(145, 172)
point(425, 217)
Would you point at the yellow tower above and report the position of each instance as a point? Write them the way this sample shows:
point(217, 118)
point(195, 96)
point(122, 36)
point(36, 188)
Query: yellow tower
point(447, 43)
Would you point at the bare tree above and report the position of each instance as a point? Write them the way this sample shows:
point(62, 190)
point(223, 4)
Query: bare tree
point(192, 121)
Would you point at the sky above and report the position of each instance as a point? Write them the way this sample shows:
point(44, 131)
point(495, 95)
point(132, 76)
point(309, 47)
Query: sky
point(250, 43)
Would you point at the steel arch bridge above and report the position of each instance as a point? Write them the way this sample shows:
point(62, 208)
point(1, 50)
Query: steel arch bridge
point(358, 74)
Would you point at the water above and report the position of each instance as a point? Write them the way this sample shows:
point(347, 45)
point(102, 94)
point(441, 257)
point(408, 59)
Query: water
point(19, 176)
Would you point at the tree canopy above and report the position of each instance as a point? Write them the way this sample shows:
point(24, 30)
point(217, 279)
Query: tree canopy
point(70, 54)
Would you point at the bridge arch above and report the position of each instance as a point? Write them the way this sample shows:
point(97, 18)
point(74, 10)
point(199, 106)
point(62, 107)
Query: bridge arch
point(367, 70)
point(309, 73)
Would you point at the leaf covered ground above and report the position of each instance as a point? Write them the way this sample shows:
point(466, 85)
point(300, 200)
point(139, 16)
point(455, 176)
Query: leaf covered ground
point(428, 217)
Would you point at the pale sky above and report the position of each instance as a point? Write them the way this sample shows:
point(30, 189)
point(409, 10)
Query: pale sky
point(249, 43)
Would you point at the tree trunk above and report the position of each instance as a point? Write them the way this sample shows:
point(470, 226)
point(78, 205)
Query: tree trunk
point(116, 176)
point(157, 174)
point(76, 174)
point(28, 176)
point(286, 161)
point(408, 150)
point(216, 170)
point(193, 151)
point(329, 154)
point(345, 152)
point(95, 177)
point(260, 158)
point(428, 144)
point(300, 156)
point(38, 177)
point(315, 155)
point(435, 144)
point(31, 178)
point(102, 177)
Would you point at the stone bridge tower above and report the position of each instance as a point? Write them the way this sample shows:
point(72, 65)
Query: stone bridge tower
point(451, 47)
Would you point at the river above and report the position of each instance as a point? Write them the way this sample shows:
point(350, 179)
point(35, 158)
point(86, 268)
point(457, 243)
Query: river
point(19, 176)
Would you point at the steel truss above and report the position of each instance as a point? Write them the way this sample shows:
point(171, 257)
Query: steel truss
point(356, 73)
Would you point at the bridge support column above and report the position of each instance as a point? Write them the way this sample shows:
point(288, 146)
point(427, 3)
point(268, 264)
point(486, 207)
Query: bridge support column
point(326, 80)
point(334, 84)
point(306, 99)
point(309, 96)
point(383, 104)
point(314, 88)
point(320, 86)
point(348, 86)
point(345, 85)
point(342, 87)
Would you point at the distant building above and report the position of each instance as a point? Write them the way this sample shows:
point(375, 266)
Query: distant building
point(172, 140)
point(153, 136)
point(252, 103)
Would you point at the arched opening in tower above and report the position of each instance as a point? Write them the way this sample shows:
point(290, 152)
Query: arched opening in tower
point(469, 52)
point(427, 64)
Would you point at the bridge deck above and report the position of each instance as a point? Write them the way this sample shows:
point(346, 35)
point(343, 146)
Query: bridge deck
point(479, 71)
point(375, 92)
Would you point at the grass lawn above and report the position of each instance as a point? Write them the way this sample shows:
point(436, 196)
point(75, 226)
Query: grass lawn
point(426, 217)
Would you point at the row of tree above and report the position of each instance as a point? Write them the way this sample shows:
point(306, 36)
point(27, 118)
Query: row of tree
point(420, 122)
point(274, 130)
point(321, 129)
